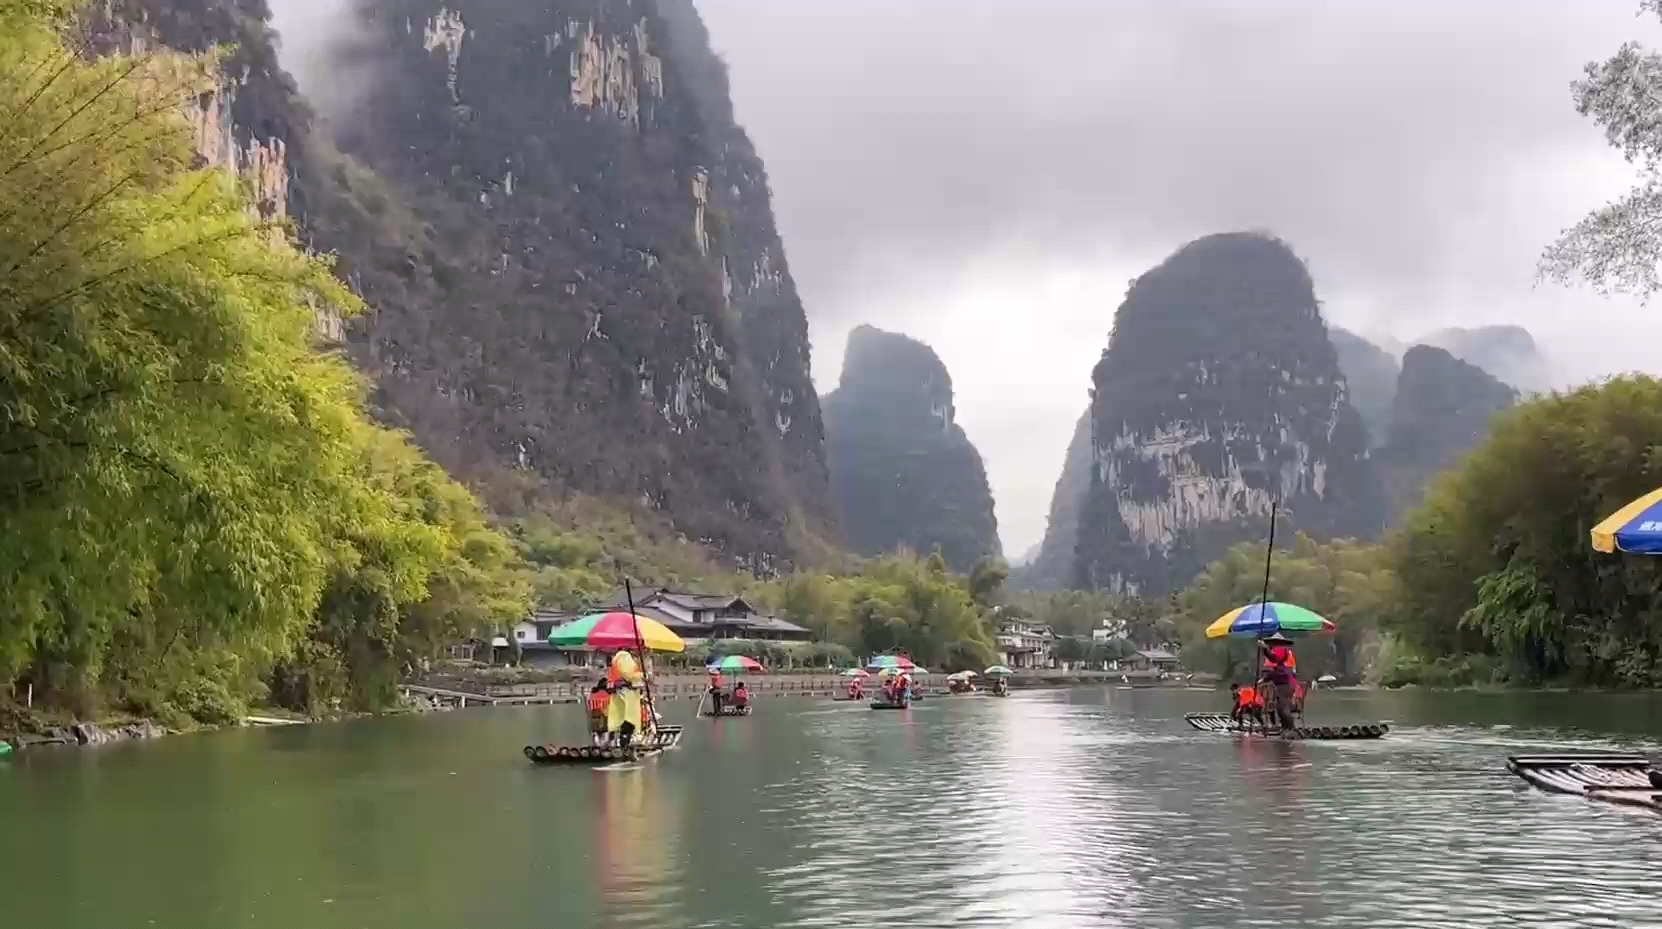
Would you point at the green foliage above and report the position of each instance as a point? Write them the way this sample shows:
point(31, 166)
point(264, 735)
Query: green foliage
point(1349, 582)
point(1497, 562)
point(190, 495)
point(899, 603)
point(580, 550)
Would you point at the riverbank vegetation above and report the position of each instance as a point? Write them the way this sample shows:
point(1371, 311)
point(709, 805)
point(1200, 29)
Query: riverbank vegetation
point(898, 603)
point(195, 511)
point(1492, 579)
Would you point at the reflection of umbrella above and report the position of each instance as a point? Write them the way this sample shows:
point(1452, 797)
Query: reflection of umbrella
point(856, 672)
point(1261, 619)
point(1635, 528)
point(735, 664)
point(999, 669)
point(889, 662)
point(605, 632)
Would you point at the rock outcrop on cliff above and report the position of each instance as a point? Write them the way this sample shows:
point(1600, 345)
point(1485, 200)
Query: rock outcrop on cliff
point(903, 472)
point(1052, 567)
point(1371, 376)
point(1508, 353)
point(568, 246)
point(1444, 407)
point(1219, 393)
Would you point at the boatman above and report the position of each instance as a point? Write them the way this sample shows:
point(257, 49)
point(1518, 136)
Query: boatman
point(1280, 669)
point(715, 692)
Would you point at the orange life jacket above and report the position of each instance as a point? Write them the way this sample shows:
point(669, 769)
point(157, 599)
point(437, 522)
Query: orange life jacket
point(1248, 698)
point(1283, 653)
point(599, 700)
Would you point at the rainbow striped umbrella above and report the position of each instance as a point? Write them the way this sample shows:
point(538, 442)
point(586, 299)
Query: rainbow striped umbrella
point(891, 662)
point(734, 664)
point(610, 632)
point(1262, 619)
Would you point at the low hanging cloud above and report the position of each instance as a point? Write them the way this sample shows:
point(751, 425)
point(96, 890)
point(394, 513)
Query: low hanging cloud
point(939, 164)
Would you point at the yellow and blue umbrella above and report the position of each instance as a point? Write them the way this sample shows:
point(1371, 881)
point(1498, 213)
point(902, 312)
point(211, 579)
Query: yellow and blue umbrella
point(1262, 619)
point(1635, 528)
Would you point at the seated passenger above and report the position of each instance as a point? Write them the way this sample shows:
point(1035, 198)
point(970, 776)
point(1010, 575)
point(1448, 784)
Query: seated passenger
point(1248, 706)
point(741, 697)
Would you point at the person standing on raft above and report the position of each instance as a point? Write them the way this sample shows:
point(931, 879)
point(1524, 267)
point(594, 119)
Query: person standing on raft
point(716, 693)
point(1280, 669)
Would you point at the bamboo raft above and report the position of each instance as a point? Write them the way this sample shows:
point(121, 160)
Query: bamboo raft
point(1220, 722)
point(667, 738)
point(884, 705)
point(727, 711)
point(1615, 777)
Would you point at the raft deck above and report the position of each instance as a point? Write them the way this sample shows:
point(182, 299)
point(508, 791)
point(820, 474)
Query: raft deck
point(884, 705)
point(1613, 777)
point(1220, 722)
point(727, 711)
point(667, 738)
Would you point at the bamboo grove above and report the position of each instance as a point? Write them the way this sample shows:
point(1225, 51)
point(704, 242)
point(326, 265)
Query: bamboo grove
point(195, 510)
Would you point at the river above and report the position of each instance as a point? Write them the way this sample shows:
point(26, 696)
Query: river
point(1080, 808)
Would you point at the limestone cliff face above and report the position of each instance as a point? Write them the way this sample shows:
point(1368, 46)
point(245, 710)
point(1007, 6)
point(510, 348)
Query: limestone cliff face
point(252, 122)
point(903, 472)
point(1371, 378)
point(1443, 409)
point(568, 246)
point(1218, 394)
point(1052, 568)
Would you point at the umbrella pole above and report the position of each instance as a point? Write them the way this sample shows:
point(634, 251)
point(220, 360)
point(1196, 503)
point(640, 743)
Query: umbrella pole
point(640, 643)
point(1269, 556)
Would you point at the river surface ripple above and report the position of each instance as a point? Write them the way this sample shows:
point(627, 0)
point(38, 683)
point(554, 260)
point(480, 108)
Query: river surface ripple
point(1085, 808)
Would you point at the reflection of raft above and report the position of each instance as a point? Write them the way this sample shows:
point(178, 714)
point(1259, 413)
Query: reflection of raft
point(1612, 778)
point(667, 738)
point(1220, 722)
point(886, 705)
point(728, 710)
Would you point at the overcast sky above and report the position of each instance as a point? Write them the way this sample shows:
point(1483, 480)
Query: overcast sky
point(987, 175)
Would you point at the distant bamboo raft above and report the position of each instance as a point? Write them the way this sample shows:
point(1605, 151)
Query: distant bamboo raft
point(727, 710)
point(667, 738)
point(1221, 722)
point(1612, 777)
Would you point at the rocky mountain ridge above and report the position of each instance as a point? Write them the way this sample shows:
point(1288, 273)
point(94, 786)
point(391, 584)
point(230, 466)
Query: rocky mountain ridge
point(567, 245)
point(903, 472)
point(1219, 394)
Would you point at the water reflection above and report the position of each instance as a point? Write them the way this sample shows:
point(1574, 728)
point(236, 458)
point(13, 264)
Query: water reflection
point(635, 828)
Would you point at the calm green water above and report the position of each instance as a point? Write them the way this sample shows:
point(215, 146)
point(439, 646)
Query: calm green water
point(1062, 809)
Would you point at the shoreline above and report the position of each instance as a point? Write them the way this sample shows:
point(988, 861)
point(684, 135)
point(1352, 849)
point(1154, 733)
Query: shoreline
point(33, 729)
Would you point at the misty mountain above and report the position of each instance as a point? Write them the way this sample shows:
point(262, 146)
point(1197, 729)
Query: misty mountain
point(903, 473)
point(1053, 565)
point(1371, 375)
point(1219, 393)
point(1506, 352)
point(1444, 407)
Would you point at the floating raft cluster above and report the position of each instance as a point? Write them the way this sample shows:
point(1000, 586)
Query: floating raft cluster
point(1610, 778)
point(1219, 722)
point(667, 738)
